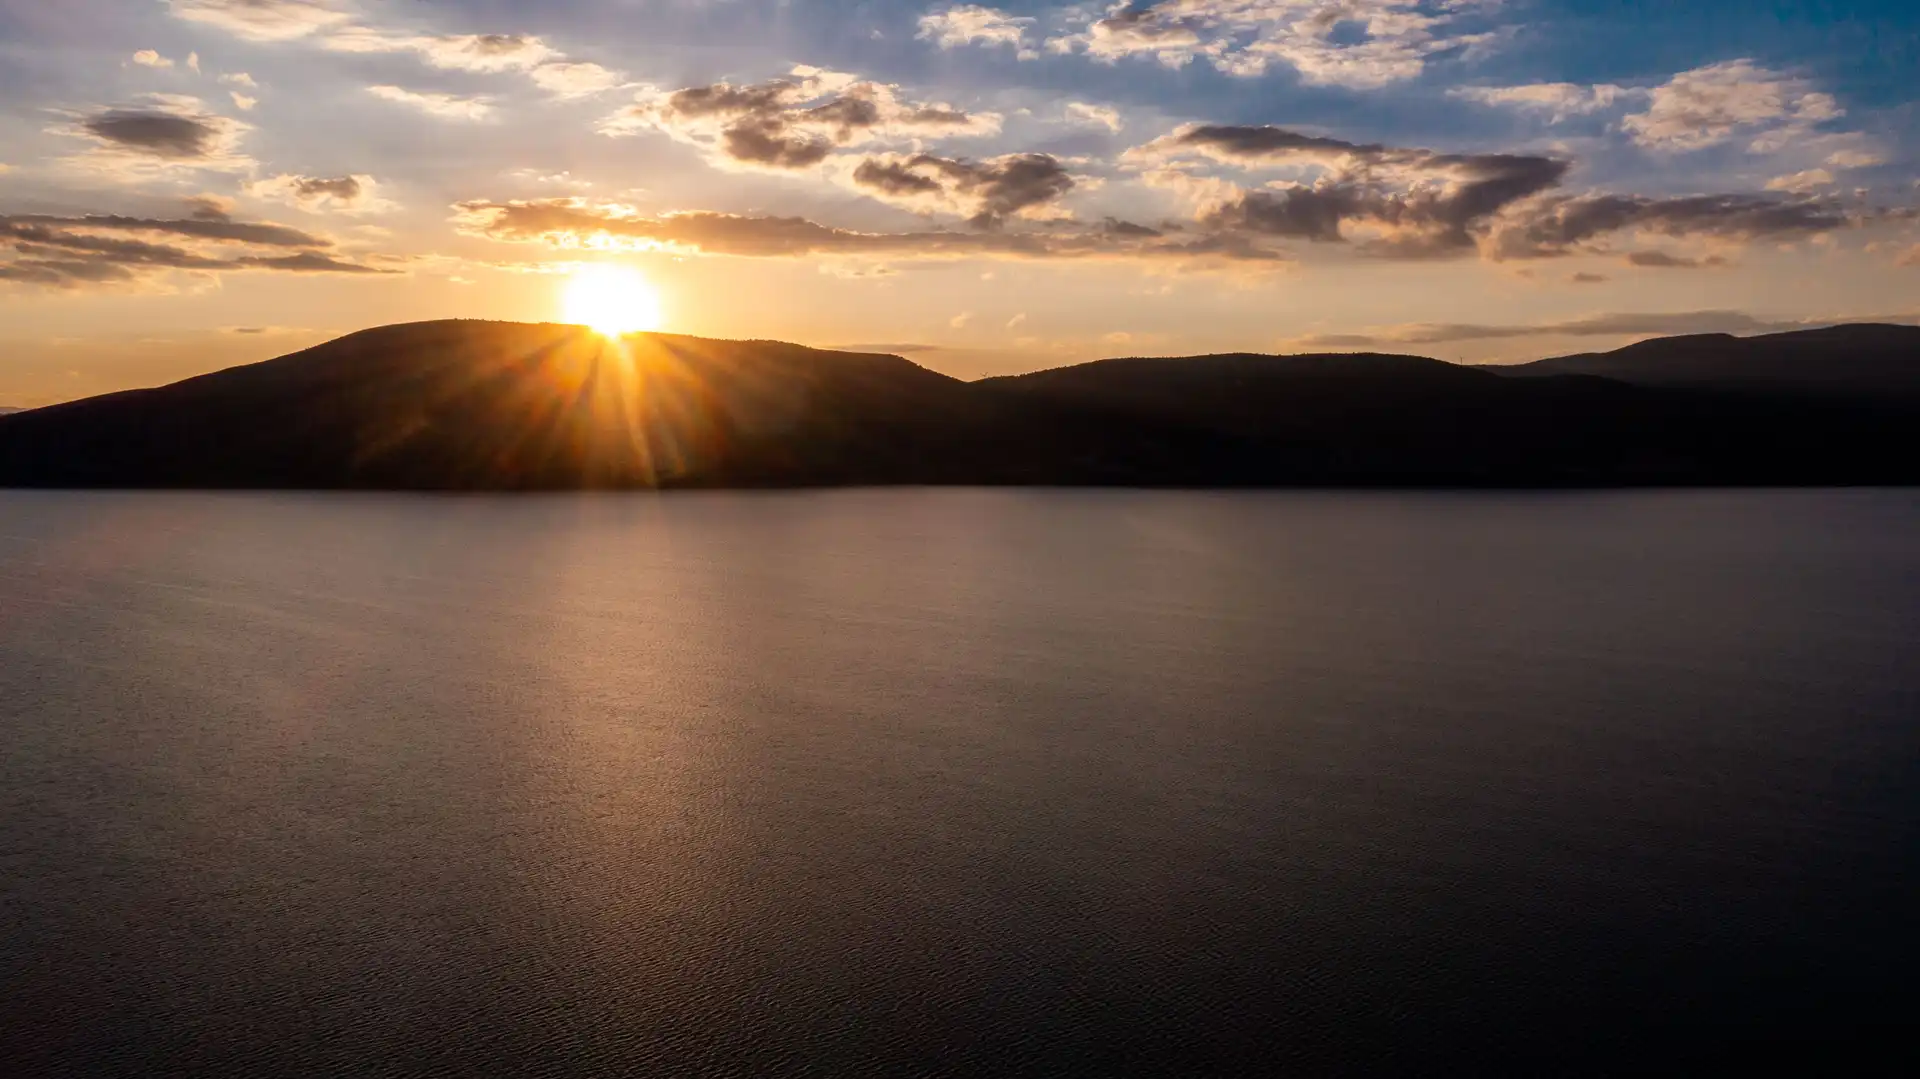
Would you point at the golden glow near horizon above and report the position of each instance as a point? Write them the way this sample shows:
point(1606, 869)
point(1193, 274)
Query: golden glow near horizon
point(613, 300)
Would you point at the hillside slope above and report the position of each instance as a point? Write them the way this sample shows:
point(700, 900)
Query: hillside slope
point(1863, 359)
point(464, 405)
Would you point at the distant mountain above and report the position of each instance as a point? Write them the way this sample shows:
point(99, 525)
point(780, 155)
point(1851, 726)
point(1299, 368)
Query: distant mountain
point(1858, 359)
point(6, 411)
point(466, 405)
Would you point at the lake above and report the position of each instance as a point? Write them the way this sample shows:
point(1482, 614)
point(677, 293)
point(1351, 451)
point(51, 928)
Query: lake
point(955, 782)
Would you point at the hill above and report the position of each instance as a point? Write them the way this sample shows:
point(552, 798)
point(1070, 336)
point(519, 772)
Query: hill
point(1861, 359)
point(463, 405)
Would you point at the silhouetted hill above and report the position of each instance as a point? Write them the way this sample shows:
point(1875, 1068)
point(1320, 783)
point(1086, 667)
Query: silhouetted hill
point(477, 405)
point(465, 404)
point(1858, 359)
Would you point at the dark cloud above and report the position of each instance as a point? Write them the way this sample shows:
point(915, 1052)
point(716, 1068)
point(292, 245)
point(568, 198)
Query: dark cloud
point(161, 134)
point(345, 188)
point(1337, 340)
point(317, 194)
point(1423, 203)
point(91, 249)
point(210, 207)
point(35, 241)
point(894, 178)
point(499, 44)
point(1587, 278)
point(1563, 225)
point(771, 144)
point(1608, 325)
point(791, 123)
point(202, 226)
point(173, 132)
point(1300, 213)
point(64, 273)
point(1662, 260)
point(988, 192)
point(304, 262)
point(570, 222)
point(1264, 143)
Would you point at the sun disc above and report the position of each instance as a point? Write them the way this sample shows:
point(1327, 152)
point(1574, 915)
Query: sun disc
point(612, 300)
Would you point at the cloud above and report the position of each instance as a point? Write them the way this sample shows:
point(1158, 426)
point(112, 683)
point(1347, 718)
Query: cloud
point(306, 262)
point(63, 273)
point(483, 53)
point(96, 249)
point(356, 194)
point(573, 223)
point(1016, 320)
point(1803, 181)
point(971, 24)
point(959, 321)
point(242, 101)
point(262, 20)
point(239, 78)
point(1407, 202)
point(1361, 44)
point(149, 58)
point(1417, 202)
point(1661, 260)
point(1607, 325)
point(433, 103)
point(569, 80)
point(791, 123)
point(170, 132)
point(1709, 105)
point(1909, 257)
point(985, 192)
point(1584, 278)
point(1558, 99)
point(1094, 114)
point(1855, 159)
point(332, 26)
point(160, 134)
point(205, 225)
point(1564, 225)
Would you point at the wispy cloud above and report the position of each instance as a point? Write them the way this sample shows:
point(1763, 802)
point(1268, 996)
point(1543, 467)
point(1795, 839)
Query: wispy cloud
point(1642, 324)
point(971, 24)
point(1712, 104)
point(1362, 44)
point(96, 250)
point(263, 20)
point(434, 103)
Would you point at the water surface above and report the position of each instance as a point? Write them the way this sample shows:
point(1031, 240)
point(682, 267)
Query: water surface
point(909, 782)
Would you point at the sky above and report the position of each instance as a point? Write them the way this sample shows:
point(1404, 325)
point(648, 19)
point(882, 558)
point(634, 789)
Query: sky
point(190, 184)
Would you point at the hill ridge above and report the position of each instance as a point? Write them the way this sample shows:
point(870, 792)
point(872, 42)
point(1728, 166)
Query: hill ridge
point(469, 404)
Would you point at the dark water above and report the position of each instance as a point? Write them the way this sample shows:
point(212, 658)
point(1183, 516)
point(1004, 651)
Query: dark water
point(956, 782)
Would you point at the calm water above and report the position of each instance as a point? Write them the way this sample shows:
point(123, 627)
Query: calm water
point(954, 782)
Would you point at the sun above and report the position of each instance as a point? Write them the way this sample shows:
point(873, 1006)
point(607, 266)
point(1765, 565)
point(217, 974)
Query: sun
point(613, 300)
